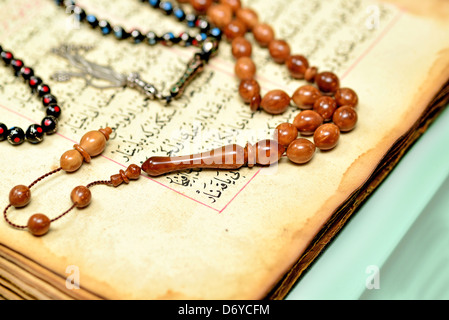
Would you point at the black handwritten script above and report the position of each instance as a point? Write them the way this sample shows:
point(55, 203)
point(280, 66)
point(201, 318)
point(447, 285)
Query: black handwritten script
point(210, 113)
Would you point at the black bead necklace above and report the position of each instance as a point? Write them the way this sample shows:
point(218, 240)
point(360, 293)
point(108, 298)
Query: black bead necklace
point(207, 40)
point(49, 124)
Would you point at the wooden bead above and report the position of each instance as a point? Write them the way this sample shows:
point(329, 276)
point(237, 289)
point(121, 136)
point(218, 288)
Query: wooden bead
point(241, 47)
point(275, 101)
point(307, 122)
point(345, 118)
point(263, 33)
point(301, 151)
point(93, 143)
point(234, 29)
point(268, 152)
point(201, 6)
point(310, 74)
point(297, 66)
point(81, 196)
point(285, 133)
point(38, 224)
point(327, 82)
point(279, 50)
point(325, 106)
point(248, 16)
point(346, 97)
point(233, 4)
point(255, 102)
point(326, 136)
point(220, 15)
point(131, 173)
point(305, 96)
point(19, 196)
point(248, 88)
point(71, 160)
point(245, 68)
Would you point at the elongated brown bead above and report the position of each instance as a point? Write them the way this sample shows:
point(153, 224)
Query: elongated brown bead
point(279, 50)
point(248, 88)
point(326, 136)
point(248, 16)
point(275, 101)
point(327, 82)
point(345, 118)
point(305, 96)
point(301, 151)
point(245, 68)
point(233, 4)
point(285, 133)
point(220, 15)
point(325, 106)
point(297, 66)
point(307, 122)
point(241, 47)
point(227, 157)
point(234, 29)
point(201, 6)
point(263, 33)
point(346, 97)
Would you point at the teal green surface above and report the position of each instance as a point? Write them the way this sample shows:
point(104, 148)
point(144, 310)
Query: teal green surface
point(397, 245)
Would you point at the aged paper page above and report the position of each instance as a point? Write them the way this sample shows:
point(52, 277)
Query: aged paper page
point(201, 234)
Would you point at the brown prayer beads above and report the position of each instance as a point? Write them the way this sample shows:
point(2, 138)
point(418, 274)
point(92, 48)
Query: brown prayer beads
point(235, 21)
point(91, 145)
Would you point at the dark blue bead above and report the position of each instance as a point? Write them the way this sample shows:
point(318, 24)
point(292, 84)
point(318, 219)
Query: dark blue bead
point(120, 33)
point(59, 2)
point(167, 38)
point(93, 21)
point(137, 36)
point(179, 14)
point(191, 20)
point(105, 27)
point(216, 33)
point(154, 3)
point(152, 38)
point(166, 6)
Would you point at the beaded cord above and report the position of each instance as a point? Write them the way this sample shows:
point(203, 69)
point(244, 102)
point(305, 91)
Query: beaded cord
point(49, 124)
point(39, 224)
point(236, 21)
point(91, 144)
point(207, 40)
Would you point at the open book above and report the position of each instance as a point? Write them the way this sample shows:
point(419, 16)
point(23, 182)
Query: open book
point(206, 234)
